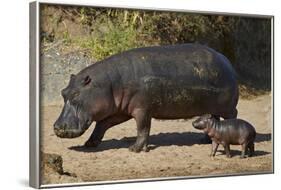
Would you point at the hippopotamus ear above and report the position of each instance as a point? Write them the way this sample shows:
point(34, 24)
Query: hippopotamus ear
point(87, 80)
point(208, 116)
point(72, 76)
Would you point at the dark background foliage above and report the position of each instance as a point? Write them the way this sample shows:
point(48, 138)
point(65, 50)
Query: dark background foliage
point(101, 32)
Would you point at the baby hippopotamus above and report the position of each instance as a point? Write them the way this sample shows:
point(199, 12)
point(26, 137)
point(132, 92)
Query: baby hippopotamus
point(226, 132)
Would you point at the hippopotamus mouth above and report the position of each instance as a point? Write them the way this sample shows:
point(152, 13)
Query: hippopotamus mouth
point(199, 123)
point(71, 130)
point(70, 124)
point(62, 133)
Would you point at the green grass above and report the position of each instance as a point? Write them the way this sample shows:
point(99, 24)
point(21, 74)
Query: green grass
point(115, 40)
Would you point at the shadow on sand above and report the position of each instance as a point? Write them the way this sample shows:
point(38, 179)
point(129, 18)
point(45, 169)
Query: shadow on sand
point(238, 152)
point(159, 140)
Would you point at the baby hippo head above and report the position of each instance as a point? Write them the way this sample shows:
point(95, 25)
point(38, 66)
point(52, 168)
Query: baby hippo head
point(203, 122)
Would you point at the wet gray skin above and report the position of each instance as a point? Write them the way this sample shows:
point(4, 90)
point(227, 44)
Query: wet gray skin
point(162, 82)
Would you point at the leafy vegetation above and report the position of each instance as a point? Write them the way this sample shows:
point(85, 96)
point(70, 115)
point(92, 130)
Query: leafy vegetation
point(110, 31)
point(115, 40)
point(106, 31)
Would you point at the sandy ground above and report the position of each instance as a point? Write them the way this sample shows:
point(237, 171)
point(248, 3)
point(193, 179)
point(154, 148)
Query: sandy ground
point(175, 149)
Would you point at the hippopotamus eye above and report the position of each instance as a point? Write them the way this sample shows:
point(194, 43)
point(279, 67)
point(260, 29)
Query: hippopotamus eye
point(86, 80)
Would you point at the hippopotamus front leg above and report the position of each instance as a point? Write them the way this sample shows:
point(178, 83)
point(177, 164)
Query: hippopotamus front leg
point(143, 120)
point(214, 148)
point(102, 126)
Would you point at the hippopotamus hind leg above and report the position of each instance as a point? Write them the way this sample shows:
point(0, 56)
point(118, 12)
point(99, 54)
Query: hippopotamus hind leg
point(227, 150)
point(244, 150)
point(143, 120)
point(251, 148)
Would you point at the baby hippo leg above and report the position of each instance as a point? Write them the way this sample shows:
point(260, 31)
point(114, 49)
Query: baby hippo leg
point(244, 150)
point(214, 148)
point(227, 150)
point(251, 147)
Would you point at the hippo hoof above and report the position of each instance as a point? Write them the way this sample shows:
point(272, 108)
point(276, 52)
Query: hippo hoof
point(91, 143)
point(241, 157)
point(135, 148)
point(145, 149)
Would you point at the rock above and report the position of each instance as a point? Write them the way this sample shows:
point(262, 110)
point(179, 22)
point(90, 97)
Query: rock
point(56, 68)
point(52, 170)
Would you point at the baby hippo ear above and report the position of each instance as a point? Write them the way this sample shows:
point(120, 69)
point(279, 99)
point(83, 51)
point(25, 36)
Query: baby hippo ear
point(208, 116)
point(87, 80)
point(72, 76)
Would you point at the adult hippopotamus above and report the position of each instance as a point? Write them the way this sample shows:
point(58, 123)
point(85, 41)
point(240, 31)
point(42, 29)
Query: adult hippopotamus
point(162, 82)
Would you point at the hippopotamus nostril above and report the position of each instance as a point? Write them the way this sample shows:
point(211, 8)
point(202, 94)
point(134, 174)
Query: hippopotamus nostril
point(63, 126)
point(60, 126)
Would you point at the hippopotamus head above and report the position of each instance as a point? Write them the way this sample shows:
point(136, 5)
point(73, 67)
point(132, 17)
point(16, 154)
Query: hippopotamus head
point(85, 101)
point(203, 122)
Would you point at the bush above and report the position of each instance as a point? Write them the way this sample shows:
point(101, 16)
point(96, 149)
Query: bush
point(107, 31)
point(115, 40)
